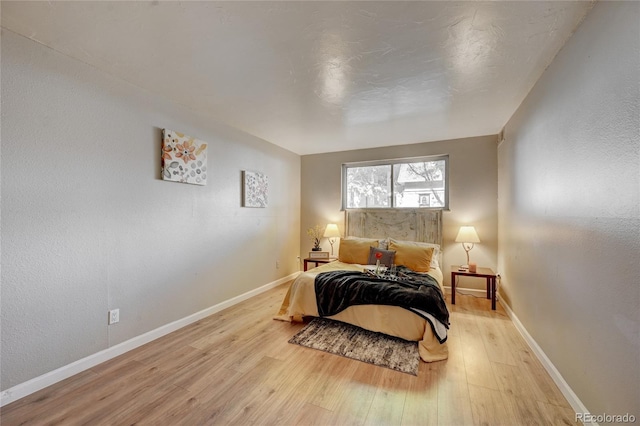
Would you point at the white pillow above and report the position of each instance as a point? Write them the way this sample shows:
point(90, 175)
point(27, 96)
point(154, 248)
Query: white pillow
point(436, 249)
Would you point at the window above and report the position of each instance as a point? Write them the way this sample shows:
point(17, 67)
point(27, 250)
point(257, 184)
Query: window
point(408, 182)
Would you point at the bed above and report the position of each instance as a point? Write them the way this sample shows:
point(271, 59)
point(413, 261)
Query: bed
point(387, 229)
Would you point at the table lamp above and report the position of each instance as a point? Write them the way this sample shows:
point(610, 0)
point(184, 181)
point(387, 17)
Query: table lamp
point(332, 232)
point(468, 236)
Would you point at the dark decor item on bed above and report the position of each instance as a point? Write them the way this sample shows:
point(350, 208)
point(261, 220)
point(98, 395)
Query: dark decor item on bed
point(353, 342)
point(386, 256)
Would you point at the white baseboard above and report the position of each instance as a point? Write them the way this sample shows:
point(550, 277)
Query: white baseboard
point(564, 387)
point(59, 374)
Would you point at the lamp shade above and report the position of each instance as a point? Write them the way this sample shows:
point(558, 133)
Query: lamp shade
point(332, 231)
point(467, 234)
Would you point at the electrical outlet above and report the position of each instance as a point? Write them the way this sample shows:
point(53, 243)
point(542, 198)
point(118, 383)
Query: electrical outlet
point(277, 264)
point(114, 316)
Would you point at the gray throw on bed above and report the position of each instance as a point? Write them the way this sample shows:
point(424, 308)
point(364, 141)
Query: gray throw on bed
point(337, 290)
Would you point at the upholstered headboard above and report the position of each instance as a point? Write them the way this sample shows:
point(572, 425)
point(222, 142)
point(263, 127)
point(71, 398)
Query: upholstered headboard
point(402, 224)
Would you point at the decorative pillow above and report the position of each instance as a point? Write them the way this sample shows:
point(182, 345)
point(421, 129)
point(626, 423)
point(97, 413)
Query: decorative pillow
point(436, 249)
point(355, 250)
point(412, 256)
point(386, 259)
point(382, 243)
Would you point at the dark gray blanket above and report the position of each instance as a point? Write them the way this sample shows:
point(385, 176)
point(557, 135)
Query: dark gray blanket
point(337, 290)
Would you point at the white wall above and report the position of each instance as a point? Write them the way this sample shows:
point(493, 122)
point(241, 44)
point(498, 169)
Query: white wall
point(87, 224)
point(569, 210)
point(473, 190)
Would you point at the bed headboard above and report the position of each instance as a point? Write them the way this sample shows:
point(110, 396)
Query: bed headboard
point(402, 224)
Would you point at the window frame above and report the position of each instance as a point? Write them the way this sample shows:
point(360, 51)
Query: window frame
point(392, 163)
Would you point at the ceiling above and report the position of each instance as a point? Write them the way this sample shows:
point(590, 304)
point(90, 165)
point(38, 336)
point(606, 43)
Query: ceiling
point(317, 77)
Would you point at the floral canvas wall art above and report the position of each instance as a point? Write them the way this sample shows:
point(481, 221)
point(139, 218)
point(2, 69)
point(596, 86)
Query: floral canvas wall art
point(184, 159)
point(255, 189)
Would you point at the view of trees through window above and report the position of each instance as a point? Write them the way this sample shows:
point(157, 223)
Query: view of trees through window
point(415, 183)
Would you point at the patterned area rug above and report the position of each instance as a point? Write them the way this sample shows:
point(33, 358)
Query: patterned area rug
point(356, 343)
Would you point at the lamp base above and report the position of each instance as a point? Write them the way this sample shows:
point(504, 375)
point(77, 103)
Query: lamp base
point(471, 267)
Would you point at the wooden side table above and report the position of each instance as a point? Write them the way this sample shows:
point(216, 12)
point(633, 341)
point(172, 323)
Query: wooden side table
point(481, 273)
point(316, 261)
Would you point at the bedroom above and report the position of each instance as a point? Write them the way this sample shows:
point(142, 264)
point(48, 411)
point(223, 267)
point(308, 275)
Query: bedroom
point(78, 241)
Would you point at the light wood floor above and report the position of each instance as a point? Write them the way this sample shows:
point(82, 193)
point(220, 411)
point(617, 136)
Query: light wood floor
point(236, 367)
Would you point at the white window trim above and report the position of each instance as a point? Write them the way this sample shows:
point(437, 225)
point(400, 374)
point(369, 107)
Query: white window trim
point(444, 157)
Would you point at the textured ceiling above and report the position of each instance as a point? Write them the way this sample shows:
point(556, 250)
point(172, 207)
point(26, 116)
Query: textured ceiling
point(319, 76)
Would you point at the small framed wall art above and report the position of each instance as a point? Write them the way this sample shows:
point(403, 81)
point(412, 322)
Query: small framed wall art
point(184, 159)
point(255, 189)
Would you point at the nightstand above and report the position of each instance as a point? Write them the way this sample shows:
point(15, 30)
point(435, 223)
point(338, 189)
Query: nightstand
point(481, 273)
point(316, 261)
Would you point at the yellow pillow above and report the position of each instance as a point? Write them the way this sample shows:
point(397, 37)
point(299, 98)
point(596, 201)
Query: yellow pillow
point(356, 250)
point(413, 257)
